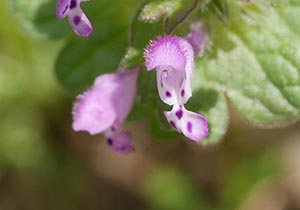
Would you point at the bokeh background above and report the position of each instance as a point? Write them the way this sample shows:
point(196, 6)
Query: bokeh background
point(45, 165)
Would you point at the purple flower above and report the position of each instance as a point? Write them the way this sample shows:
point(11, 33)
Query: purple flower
point(173, 59)
point(104, 107)
point(197, 38)
point(77, 19)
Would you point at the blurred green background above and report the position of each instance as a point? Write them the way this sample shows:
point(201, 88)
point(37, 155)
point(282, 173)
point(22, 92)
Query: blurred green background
point(45, 165)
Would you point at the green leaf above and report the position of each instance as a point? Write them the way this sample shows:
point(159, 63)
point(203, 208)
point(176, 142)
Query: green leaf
point(211, 104)
point(160, 127)
point(142, 33)
point(158, 9)
point(147, 91)
point(255, 64)
point(38, 18)
point(83, 59)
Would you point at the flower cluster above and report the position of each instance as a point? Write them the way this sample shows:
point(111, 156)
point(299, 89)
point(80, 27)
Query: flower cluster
point(104, 107)
point(77, 19)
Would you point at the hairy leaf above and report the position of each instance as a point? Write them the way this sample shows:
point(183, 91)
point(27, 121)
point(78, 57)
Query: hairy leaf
point(256, 66)
point(157, 10)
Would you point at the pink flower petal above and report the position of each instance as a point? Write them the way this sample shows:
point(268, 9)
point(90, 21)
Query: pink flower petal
point(194, 126)
point(120, 143)
point(197, 38)
point(170, 51)
point(173, 86)
point(125, 92)
point(94, 111)
point(77, 19)
point(79, 22)
point(62, 8)
point(106, 104)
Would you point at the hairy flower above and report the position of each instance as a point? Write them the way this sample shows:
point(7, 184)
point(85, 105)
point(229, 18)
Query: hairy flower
point(77, 19)
point(173, 59)
point(104, 107)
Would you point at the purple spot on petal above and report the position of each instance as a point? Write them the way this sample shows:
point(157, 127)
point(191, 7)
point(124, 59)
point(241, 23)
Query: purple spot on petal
point(76, 20)
point(173, 124)
point(168, 94)
point(161, 83)
point(73, 4)
point(179, 114)
point(109, 141)
point(182, 92)
point(65, 9)
point(189, 127)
